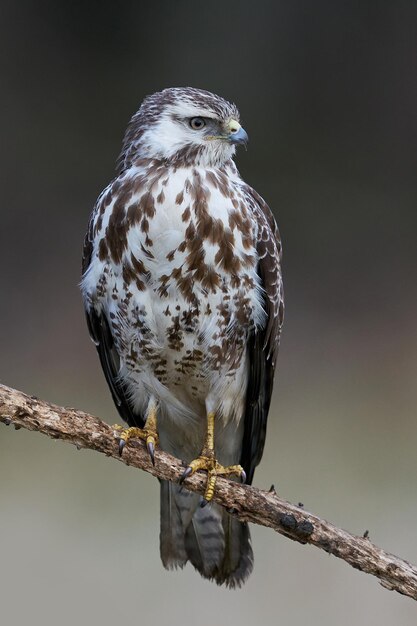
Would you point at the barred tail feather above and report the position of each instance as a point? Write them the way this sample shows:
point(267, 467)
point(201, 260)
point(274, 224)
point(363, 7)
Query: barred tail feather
point(204, 540)
point(217, 545)
point(238, 558)
point(171, 536)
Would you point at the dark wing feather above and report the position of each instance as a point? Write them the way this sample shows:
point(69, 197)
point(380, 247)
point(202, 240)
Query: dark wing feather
point(101, 335)
point(263, 343)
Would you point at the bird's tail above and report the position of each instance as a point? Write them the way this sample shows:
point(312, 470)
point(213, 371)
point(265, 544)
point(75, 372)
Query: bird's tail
point(218, 545)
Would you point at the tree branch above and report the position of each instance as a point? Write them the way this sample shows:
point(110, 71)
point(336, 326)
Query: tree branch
point(245, 502)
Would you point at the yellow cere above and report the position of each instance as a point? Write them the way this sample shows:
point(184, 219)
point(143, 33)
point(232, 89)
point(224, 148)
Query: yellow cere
point(233, 126)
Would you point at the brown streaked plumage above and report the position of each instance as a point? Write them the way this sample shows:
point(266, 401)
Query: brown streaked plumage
point(183, 294)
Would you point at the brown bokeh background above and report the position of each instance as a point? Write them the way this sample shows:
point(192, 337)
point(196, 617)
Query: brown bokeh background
point(327, 92)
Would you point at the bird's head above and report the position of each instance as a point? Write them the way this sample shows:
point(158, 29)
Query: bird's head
point(183, 126)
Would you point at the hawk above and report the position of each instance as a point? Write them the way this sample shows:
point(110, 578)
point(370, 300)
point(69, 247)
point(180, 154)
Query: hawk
point(183, 295)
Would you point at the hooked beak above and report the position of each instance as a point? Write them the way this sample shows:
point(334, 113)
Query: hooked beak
point(237, 135)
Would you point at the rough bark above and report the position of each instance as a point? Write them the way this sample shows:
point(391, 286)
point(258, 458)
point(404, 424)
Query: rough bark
point(247, 503)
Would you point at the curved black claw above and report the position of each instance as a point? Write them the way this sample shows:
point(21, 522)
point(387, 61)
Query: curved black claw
point(122, 444)
point(186, 473)
point(243, 476)
point(203, 503)
point(151, 451)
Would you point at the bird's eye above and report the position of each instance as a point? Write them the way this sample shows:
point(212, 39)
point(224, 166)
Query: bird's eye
point(197, 123)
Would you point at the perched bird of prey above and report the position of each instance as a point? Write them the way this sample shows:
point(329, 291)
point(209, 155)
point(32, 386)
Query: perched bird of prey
point(183, 295)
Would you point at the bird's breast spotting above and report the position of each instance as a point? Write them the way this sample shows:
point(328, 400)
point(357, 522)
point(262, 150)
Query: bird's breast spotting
point(174, 269)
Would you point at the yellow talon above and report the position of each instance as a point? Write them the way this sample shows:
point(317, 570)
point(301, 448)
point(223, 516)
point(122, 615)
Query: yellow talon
point(211, 483)
point(207, 461)
point(147, 433)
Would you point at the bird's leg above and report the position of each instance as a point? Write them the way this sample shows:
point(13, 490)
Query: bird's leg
point(207, 461)
point(148, 433)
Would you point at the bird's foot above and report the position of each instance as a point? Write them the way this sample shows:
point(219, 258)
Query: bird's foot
point(149, 435)
point(213, 468)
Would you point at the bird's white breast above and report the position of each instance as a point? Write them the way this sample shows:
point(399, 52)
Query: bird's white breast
point(179, 335)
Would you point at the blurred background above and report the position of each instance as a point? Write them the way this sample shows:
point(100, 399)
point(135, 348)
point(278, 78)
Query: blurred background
point(328, 94)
